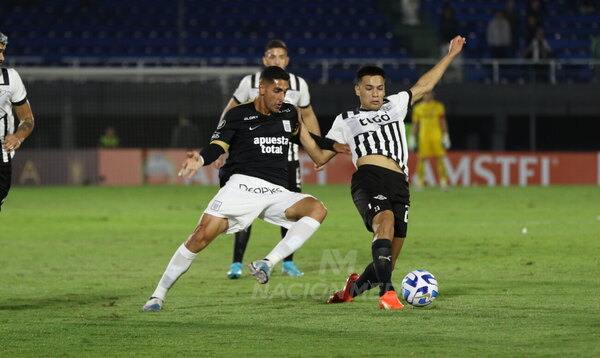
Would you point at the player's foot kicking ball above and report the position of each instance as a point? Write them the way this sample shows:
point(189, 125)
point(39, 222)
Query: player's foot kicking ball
point(390, 301)
point(344, 294)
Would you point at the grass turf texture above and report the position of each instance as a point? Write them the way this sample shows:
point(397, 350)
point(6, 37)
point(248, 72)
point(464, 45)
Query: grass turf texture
point(77, 264)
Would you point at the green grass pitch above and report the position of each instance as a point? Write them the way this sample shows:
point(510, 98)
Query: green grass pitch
point(77, 264)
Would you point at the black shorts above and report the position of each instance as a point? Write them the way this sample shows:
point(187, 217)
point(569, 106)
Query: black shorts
point(5, 173)
point(294, 177)
point(375, 189)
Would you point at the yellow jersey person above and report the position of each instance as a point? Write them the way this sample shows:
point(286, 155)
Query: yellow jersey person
point(429, 121)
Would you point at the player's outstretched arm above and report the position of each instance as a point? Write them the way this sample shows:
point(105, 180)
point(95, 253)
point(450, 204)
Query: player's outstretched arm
point(426, 83)
point(318, 155)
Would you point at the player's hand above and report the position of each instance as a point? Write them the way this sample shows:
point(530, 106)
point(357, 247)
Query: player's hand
point(191, 164)
point(341, 148)
point(12, 143)
point(446, 141)
point(220, 160)
point(318, 168)
point(412, 143)
point(456, 45)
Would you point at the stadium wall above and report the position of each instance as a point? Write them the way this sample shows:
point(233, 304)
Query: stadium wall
point(481, 117)
point(122, 167)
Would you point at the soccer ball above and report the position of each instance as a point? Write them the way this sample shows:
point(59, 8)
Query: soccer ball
point(419, 288)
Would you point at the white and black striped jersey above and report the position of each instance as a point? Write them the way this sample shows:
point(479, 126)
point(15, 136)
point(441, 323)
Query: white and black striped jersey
point(12, 92)
point(376, 132)
point(297, 95)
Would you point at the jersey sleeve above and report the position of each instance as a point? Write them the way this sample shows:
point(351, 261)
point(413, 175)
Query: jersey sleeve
point(304, 100)
point(337, 131)
point(401, 101)
point(225, 131)
point(19, 94)
point(242, 92)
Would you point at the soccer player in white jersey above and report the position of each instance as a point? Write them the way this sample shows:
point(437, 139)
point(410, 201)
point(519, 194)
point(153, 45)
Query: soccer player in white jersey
point(376, 135)
point(12, 96)
point(276, 54)
point(257, 134)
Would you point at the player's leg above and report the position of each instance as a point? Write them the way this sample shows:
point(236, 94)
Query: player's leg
point(295, 185)
point(303, 215)
point(208, 228)
point(5, 180)
point(420, 173)
point(239, 248)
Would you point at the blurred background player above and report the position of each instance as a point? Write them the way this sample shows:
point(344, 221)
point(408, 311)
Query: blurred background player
point(276, 54)
point(12, 96)
point(429, 122)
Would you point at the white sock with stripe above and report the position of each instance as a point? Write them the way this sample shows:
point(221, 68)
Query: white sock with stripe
point(179, 264)
point(297, 235)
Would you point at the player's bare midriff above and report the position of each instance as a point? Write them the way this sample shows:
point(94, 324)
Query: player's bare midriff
point(380, 161)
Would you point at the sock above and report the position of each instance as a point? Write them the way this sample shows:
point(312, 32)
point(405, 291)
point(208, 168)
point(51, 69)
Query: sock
point(179, 264)
point(366, 281)
point(382, 263)
point(240, 243)
point(421, 172)
point(297, 235)
point(283, 233)
point(441, 167)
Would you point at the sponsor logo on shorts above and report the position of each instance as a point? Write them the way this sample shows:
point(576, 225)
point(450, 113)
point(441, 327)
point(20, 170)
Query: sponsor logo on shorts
point(215, 205)
point(379, 197)
point(260, 189)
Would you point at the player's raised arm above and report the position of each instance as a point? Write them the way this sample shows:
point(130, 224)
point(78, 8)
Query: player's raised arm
point(426, 83)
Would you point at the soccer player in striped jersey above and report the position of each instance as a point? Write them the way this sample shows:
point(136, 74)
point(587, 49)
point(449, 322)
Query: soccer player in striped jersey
point(376, 136)
point(276, 54)
point(12, 96)
point(429, 121)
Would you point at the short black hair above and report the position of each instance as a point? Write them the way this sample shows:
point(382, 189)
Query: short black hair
point(275, 44)
point(272, 73)
point(3, 39)
point(369, 70)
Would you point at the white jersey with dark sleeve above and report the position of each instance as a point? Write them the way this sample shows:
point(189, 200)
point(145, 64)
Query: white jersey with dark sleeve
point(12, 92)
point(298, 95)
point(376, 132)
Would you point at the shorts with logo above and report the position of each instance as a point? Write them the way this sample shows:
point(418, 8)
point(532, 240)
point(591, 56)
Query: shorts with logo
point(375, 189)
point(245, 198)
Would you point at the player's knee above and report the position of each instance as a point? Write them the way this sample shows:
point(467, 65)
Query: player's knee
point(318, 211)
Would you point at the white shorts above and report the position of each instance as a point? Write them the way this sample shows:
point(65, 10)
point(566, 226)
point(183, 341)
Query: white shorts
point(245, 198)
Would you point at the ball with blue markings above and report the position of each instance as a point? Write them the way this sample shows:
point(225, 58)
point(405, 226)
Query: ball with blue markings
point(419, 288)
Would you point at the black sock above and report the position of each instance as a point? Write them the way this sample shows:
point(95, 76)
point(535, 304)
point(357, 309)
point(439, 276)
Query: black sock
point(382, 262)
point(291, 256)
point(239, 244)
point(366, 281)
